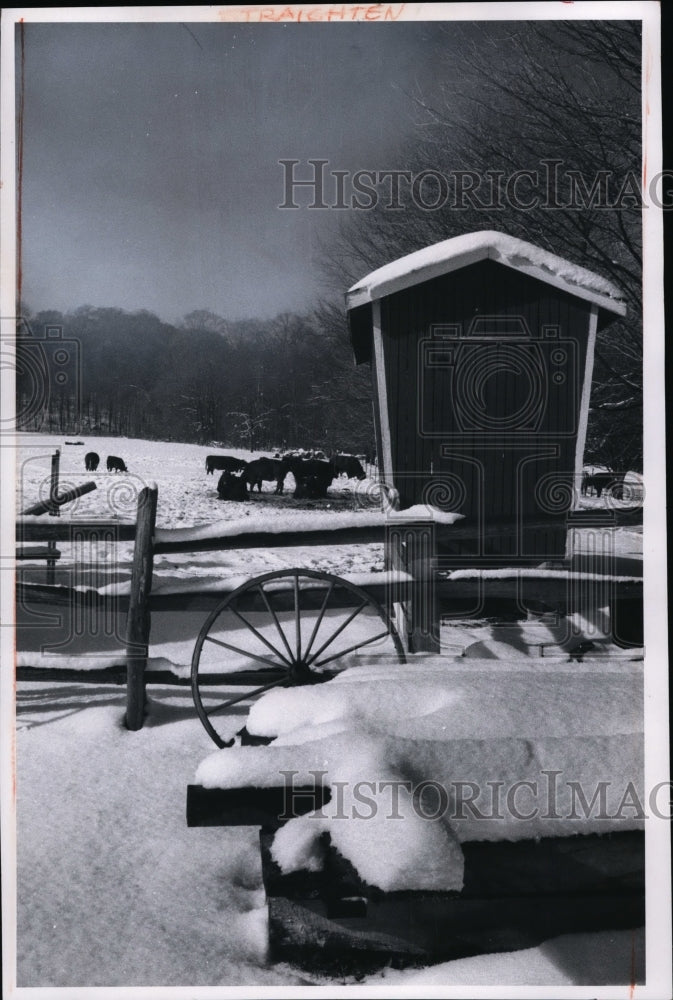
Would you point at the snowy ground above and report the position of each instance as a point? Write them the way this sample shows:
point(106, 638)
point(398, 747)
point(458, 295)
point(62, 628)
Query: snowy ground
point(113, 888)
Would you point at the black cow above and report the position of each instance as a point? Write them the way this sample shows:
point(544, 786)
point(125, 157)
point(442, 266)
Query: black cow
point(91, 460)
point(349, 465)
point(226, 462)
point(266, 469)
point(612, 482)
point(312, 476)
point(115, 464)
point(231, 487)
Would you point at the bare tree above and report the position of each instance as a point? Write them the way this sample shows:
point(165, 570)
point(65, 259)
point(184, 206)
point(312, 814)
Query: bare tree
point(539, 135)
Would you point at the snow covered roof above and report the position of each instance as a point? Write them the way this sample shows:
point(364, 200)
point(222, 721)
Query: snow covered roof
point(450, 255)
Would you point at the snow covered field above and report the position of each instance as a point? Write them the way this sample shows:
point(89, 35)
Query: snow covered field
point(113, 889)
point(187, 495)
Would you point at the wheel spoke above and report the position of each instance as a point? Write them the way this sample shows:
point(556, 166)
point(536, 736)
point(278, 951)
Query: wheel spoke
point(331, 639)
point(243, 652)
point(321, 615)
point(296, 616)
point(246, 696)
point(273, 614)
point(259, 636)
point(342, 652)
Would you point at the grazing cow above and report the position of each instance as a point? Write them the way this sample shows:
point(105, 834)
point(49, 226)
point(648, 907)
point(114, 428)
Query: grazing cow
point(231, 487)
point(116, 464)
point(266, 469)
point(91, 460)
point(610, 482)
point(312, 476)
point(349, 465)
point(225, 462)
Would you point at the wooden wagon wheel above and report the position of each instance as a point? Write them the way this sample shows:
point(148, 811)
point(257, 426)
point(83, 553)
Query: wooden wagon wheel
point(305, 623)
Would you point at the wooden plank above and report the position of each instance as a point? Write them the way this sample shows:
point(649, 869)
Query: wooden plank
point(583, 418)
point(515, 896)
point(207, 600)
point(376, 533)
point(104, 675)
point(265, 807)
point(38, 552)
point(271, 540)
point(382, 392)
point(117, 675)
point(419, 930)
point(617, 517)
point(53, 506)
point(59, 596)
point(138, 620)
point(63, 531)
point(597, 863)
point(54, 499)
point(555, 591)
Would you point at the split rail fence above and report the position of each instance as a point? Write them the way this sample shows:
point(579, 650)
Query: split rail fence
point(412, 585)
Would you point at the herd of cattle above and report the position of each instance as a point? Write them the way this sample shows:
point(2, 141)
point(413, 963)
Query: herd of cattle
point(313, 473)
point(114, 463)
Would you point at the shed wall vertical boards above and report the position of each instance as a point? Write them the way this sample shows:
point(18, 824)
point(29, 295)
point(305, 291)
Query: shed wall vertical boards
point(481, 382)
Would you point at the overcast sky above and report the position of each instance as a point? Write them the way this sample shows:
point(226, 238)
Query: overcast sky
point(151, 175)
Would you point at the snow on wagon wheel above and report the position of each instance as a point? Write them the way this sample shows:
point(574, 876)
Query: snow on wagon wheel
point(290, 627)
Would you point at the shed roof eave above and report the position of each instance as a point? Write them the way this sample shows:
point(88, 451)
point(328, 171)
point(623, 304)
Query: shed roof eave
point(461, 251)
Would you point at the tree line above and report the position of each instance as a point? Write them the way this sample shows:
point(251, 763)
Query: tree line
point(255, 384)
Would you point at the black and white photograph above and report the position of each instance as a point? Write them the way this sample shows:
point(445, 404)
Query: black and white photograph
point(333, 582)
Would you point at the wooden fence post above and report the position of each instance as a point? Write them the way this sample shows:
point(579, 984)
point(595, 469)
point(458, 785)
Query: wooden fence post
point(138, 621)
point(53, 484)
point(411, 548)
point(51, 562)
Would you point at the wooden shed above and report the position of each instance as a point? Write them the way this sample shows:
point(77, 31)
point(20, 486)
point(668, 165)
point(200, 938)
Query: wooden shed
point(481, 349)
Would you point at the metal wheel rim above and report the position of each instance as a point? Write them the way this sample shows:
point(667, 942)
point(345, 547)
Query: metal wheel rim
point(301, 668)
